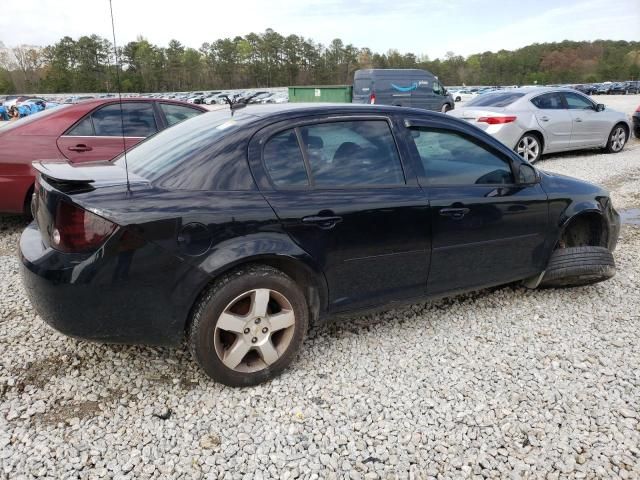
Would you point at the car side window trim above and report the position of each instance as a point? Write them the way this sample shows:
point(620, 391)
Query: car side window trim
point(272, 131)
point(413, 123)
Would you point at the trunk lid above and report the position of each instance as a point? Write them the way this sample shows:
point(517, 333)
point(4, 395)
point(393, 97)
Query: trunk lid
point(58, 182)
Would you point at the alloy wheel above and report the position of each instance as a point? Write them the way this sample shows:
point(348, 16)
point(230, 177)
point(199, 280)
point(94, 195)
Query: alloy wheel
point(254, 330)
point(618, 139)
point(528, 148)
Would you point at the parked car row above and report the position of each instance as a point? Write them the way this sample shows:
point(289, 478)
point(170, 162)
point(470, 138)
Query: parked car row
point(218, 97)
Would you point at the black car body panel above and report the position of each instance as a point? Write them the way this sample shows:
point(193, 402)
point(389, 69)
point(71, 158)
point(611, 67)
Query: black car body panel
point(182, 225)
point(635, 118)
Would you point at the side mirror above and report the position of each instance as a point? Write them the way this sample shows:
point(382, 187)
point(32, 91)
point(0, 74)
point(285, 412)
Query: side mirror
point(600, 107)
point(527, 175)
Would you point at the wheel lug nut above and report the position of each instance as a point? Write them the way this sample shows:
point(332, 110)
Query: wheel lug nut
point(257, 321)
point(265, 330)
point(254, 339)
point(246, 330)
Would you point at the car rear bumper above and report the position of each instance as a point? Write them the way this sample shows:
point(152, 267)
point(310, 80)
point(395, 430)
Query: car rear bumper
point(508, 133)
point(104, 296)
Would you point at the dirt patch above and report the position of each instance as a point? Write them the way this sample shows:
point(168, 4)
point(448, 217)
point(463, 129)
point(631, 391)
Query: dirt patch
point(64, 413)
point(40, 372)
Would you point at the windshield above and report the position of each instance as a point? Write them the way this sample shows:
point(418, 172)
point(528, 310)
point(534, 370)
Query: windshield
point(164, 153)
point(497, 99)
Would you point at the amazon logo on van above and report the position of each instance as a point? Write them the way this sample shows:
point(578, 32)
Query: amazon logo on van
point(411, 87)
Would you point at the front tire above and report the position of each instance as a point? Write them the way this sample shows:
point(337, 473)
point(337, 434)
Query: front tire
point(529, 147)
point(576, 266)
point(445, 108)
point(617, 139)
point(248, 326)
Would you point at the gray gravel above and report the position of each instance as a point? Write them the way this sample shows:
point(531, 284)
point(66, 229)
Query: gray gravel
point(500, 383)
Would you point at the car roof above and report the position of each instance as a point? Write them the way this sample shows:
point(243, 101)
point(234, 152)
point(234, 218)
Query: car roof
point(95, 102)
point(271, 109)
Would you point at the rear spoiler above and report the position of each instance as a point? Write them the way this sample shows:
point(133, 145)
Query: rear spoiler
point(85, 176)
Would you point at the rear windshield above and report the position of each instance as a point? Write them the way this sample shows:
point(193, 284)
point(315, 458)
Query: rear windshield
point(184, 156)
point(497, 99)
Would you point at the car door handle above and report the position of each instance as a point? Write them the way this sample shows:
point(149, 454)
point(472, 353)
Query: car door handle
point(544, 119)
point(80, 148)
point(454, 212)
point(324, 222)
point(578, 119)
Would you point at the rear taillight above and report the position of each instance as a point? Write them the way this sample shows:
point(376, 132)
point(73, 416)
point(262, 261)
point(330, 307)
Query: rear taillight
point(496, 120)
point(372, 98)
point(77, 230)
point(638, 109)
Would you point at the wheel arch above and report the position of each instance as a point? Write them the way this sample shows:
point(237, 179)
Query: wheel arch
point(295, 263)
point(587, 227)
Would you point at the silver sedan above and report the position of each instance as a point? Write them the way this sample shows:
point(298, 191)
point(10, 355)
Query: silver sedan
point(536, 121)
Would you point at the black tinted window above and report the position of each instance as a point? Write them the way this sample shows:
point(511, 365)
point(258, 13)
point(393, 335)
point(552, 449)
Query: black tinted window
point(450, 158)
point(177, 113)
point(138, 119)
point(577, 102)
point(283, 160)
point(352, 153)
point(206, 153)
point(497, 99)
point(548, 101)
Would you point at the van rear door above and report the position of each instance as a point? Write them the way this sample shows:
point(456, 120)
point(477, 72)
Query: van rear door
point(362, 90)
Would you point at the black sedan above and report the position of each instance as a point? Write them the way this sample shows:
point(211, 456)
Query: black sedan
point(238, 231)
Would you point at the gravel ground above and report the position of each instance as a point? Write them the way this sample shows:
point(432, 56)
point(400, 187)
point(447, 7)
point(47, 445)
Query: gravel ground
point(500, 383)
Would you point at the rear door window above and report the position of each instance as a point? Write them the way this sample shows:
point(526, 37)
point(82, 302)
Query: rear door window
point(334, 155)
point(352, 153)
point(283, 160)
point(138, 119)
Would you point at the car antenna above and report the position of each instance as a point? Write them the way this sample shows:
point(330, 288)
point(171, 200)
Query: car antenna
point(115, 51)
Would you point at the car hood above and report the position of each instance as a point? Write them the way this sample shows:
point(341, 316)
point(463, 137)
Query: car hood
point(556, 182)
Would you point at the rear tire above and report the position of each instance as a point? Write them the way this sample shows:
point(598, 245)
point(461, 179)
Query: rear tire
point(529, 147)
point(248, 326)
point(576, 266)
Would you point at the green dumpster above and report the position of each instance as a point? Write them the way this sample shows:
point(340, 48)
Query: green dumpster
point(322, 93)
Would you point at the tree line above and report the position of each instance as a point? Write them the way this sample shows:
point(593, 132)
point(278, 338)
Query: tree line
point(270, 59)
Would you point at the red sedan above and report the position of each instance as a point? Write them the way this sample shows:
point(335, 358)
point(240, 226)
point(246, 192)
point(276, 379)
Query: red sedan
point(86, 131)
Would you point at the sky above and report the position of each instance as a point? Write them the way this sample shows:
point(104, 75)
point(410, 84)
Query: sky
point(423, 27)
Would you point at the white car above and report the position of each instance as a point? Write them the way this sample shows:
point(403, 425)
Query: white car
point(463, 95)
point(536, 121)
